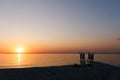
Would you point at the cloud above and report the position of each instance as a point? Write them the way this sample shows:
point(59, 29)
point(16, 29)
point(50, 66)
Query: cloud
point(118, 39)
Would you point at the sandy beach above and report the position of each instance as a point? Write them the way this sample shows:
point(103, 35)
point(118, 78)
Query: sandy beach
point(99, 71)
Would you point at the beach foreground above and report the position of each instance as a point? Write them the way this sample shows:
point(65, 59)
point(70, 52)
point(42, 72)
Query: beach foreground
point(99, 71)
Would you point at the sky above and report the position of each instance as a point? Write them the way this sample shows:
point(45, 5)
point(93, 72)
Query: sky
point(60, 25)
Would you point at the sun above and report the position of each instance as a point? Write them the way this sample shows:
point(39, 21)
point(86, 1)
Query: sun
point(19, 50)
point(19, 55)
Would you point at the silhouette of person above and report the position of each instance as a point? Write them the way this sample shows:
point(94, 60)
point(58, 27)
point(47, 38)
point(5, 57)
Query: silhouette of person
point(82, 58)
point(90, 59)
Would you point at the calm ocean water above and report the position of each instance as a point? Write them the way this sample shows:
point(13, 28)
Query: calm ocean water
point(40, 60)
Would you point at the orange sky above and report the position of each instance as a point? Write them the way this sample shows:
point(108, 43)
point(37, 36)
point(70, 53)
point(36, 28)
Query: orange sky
point(59, 26)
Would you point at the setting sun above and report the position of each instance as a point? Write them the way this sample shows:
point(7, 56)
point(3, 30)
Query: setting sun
point(19, 50)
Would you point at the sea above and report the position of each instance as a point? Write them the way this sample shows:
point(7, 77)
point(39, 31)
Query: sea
point(46, 60)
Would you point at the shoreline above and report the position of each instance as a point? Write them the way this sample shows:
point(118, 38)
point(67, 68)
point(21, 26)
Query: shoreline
point(99, 71)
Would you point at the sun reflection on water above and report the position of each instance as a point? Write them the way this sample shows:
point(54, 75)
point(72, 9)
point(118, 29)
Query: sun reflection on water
point(19, 58)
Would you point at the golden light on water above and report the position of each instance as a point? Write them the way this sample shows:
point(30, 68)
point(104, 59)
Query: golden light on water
point(19, 58)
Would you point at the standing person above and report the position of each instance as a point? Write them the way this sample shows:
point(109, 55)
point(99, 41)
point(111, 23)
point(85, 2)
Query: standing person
point(90, 59)
point(82, 58)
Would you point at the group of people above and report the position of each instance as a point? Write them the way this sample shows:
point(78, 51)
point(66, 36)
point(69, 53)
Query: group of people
point(89, 60)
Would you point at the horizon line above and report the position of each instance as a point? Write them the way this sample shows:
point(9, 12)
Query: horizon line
point(64, 53)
